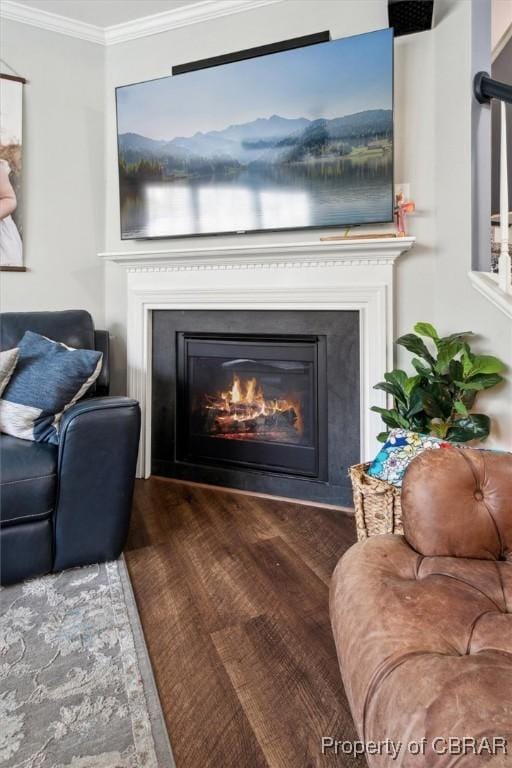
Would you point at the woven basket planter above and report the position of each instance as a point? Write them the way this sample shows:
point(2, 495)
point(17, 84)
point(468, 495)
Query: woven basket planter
point(377, 504)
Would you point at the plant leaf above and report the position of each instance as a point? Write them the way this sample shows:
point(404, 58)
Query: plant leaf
point(439, 428)
point(410, 384)
point(460, 407)
point(480, 381)
point(460, 335)
point(396, 377)
point(468, 385)
point(447, 351)
point(467, 361)
point(455, 370)
point(417, 346)
point(487, 380)
point(382, 437)
point(443, 397)
point(468, 397)
point(420, 423)
point(475, 426)
point(485, 364)
point(416, 402)
point(425, 329)
point(391, 417)
point(431, 406)
point(391, 389)
point(421, 367)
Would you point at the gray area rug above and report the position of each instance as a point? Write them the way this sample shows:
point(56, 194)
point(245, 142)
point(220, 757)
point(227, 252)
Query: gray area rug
point(76, 685)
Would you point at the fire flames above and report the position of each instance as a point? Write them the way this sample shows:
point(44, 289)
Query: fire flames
point(243, 411)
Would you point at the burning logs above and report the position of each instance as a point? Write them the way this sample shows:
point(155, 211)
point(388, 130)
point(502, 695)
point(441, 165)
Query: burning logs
point(243, 411)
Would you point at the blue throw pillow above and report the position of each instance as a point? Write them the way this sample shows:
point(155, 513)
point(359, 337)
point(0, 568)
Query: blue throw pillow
point(49, 377)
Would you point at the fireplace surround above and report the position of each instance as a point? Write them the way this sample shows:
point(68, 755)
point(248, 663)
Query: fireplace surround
point(309, 275)
point(264, 400)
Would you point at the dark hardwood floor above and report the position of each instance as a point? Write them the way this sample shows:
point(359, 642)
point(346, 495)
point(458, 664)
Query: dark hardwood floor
point(233, 595)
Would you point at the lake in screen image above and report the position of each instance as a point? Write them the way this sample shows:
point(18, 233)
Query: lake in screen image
point(301, 138)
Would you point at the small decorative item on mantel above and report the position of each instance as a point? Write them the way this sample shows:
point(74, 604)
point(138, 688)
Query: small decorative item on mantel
point(432, 409)
point(402, 208)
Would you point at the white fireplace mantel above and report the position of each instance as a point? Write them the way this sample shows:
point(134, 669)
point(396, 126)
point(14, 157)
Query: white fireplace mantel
point(383, 250)
point(334, 275)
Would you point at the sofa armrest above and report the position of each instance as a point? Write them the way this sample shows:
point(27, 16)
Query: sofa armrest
point(98, 446)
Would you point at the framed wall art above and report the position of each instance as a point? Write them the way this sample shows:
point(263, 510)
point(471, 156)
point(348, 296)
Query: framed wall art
point(11, 161)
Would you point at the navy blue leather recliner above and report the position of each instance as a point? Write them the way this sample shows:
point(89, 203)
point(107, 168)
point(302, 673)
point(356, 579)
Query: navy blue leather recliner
point(67, 505)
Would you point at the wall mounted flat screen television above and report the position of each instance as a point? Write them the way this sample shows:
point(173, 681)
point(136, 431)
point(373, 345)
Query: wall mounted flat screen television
point(297, 139)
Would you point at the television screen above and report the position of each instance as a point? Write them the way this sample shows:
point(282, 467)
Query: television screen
point(296, 139)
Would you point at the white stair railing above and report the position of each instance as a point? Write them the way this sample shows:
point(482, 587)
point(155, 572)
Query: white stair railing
point(505, 262)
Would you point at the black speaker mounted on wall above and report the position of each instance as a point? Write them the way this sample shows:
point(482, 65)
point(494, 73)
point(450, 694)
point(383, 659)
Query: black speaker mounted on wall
point(408, 16)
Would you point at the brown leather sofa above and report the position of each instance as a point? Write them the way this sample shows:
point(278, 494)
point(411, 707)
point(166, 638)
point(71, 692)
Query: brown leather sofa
point(423, 622)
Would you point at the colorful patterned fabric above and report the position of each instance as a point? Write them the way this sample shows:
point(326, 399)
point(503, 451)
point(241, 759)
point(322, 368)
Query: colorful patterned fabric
point(49, 377)
point(397, 453)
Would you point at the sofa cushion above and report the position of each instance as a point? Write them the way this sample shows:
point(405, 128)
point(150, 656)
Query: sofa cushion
point(25, 551)
point(458, 503)
point(48, 378)
point(73, 327)
point(425, 649)
point(28, 480)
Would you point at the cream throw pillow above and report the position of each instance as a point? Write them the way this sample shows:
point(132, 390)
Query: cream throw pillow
point(8, 360)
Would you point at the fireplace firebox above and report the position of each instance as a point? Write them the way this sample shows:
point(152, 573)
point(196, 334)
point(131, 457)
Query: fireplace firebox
point(253, 401)
point(258, 400)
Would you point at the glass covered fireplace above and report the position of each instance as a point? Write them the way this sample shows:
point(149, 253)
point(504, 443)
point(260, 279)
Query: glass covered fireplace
point(252, 401)
point(257, 400)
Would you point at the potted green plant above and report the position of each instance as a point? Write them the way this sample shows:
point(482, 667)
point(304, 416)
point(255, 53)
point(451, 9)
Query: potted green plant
point(439, 398)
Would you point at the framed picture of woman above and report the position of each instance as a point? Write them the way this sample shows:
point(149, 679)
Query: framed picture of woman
point(11, 198)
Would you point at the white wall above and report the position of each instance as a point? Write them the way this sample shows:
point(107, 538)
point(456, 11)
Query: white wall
point(151, 57)
point(457, 305)
point(63, 145)
point(67, 199)
point(433, 130)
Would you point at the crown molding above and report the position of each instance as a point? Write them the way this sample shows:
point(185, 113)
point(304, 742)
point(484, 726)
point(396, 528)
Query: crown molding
point(196, 13)
point(52, 22)
point(204, 10)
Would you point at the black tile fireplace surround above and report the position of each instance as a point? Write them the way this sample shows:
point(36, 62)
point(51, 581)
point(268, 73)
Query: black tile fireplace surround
point(264, 401)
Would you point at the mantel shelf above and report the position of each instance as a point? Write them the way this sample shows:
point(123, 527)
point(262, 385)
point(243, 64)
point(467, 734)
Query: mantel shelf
point(314, 253)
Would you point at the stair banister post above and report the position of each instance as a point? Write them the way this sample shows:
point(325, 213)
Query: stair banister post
point(504, 264)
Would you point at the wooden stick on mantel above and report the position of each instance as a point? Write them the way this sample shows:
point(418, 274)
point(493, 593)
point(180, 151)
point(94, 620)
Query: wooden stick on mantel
point(360, 237)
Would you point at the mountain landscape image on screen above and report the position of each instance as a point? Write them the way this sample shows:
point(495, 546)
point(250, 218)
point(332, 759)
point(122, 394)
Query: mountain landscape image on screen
point(268, 172)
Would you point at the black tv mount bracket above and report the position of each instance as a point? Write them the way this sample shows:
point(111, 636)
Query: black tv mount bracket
point(485, 89)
